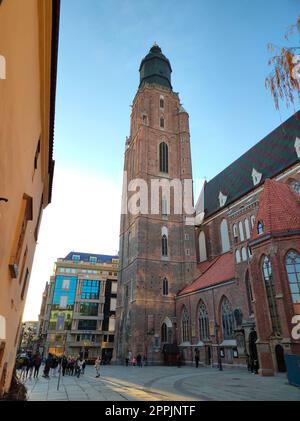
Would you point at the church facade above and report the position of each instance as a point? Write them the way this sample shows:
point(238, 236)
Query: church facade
point(226, 286)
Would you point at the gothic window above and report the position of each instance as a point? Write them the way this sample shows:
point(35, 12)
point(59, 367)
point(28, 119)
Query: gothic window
point(237, 256)
point(164, 206)
point(224, 236)
point(164, 245)
point(163, 158)
point(244, 254)
point(164, 333)
point(249, 292)
point(247, 228)
point(203, 322)
point(242, 238)
point(252, 219)
point(161, 102)
point(270, 290)
point(292, 264)
point(202, 247)
point(235, 231)
point(260, 227)
point(165, 287)
point(296, 186)
point(185, 325)
point(162, 122)
point(227, 317)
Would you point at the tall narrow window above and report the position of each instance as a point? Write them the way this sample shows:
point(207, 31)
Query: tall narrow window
point(161, 102)
point(224, 236)
point(164, 333)
point(237, 256)
point(185, 325)
point(292, 264)
point(203, 322)
point(163, 158)
point(202, 247)
point(242, 238)
point(162, 123)
point(227, 319)
point(247, 228)
point(164, 245)
point(165, 287)
point(164, 206)
point(270, 290)
point(260, 227)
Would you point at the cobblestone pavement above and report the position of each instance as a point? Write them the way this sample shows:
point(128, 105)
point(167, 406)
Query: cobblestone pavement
point(119, 383)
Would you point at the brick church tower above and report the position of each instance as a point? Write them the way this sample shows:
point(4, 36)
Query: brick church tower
point(157, 246)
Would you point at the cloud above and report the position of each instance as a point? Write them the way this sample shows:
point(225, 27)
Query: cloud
point(84, 216)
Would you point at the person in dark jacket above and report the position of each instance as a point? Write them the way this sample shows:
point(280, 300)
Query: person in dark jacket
point(37, 365)
point(64, 364)
point(48, 364)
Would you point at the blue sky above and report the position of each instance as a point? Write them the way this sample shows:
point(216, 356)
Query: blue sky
point(218, 52)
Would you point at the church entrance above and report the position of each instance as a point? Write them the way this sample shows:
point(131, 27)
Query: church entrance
point(279, 352)
point(208, 355)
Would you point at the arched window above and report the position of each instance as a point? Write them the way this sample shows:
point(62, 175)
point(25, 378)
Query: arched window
point(227, 317)
point(185, 325)
point(260, 227)
point(202, 247)
point(249, 292)
point(161, 102)
point(296, 186)
point(270, 290)
point(244, 254)
point(242, 238)
point(164, 333)
point(203, 322)
point(235, 231)
point(162, 122)
point(247, 228)
point(224, 236)
point(252, 219)
point(165, 287)
point(164, 245)
point(163, 158)
point(292, 264)
point(237, 256)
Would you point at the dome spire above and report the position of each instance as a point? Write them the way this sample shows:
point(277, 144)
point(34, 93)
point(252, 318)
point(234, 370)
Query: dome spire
point(155, 68)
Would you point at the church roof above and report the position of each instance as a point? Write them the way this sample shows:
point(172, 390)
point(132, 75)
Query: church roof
point(216, 271)
point(267, 158)
point(279, 209)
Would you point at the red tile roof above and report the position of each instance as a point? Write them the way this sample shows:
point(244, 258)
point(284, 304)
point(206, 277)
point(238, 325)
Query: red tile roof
point(220, 269)
point(279, 209)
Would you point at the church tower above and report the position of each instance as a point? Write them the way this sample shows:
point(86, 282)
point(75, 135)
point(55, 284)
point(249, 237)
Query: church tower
point(157, 244)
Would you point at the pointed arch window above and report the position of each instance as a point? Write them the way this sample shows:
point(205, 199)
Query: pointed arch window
point(271, 295)
point(161, 102)
point(237, 256)
point(185, 321)
point(292, 264)
point(224, 236)
point(164, 333)
point(247, 228)
point(203, 322)
point(164, 245)
point(162, 123)
point(163, 157)
point(165, 286)
point(227, 317)
point(241, 230)
point(260, 227)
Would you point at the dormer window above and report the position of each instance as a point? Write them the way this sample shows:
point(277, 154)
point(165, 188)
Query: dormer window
point(161, 102)
point(256, 177)
point(260, 227)
point(222, 199)
point(296, 186)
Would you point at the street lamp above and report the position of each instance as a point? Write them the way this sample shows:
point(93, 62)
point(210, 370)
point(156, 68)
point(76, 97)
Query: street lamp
point(218, 347)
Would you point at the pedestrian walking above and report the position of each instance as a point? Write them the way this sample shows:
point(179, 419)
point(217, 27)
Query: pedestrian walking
point(54, 365)
point(97, 366)
point(25, 362)
point(126, 361)
point(133, 361)
point(197, 357)
point(37, 365)
point(30, 367)
point(78, 368)
point(64, 364)
point(47, 367)
point(83, 366)
point(139, 360)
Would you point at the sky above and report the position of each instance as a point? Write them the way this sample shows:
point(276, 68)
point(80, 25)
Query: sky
point(218, 53)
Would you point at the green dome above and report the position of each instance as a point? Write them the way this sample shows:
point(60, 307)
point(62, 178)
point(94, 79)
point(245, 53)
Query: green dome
point(155, 68)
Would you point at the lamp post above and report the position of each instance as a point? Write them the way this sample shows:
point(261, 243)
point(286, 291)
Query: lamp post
point(218, 347)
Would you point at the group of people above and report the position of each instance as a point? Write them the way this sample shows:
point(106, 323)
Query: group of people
point(134, 361)
point(68, 365)
point(29, 366)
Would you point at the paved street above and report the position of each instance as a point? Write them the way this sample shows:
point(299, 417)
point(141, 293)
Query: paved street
point(119, 383)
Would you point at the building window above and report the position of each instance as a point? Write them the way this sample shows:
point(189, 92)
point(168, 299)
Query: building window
point(89, 309)
point(161, 102)
point(93, 260)
point(270, 290)
point(260, 227)
point(186, 236)
point(144, 118)
point(296, 186)
point(162, 123)
point(224, 236)
point(252, 219)
point(90, 290)
point(164, 245)
point(244, 254)
point(66, 283)
point(87, 324)
point(164, 206)
point(249, 292)
point(247, 229)
point(292, 264)
point(25, 282)
point(202, 247)
point(165, 287)
point(76, 257)
point(163, 158)
point(164, 333)
point(242, 238)
point(185, 325)
point(227, 317)
point(235, 231)
point(203, 322)
point(63, 301)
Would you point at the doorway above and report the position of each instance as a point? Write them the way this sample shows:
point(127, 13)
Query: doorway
point(279, 352)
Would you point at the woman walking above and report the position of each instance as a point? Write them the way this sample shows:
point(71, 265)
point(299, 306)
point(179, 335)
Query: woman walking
point(97, 366)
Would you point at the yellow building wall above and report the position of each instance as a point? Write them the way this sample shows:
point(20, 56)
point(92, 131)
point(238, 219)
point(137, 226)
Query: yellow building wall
point(25, 41)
